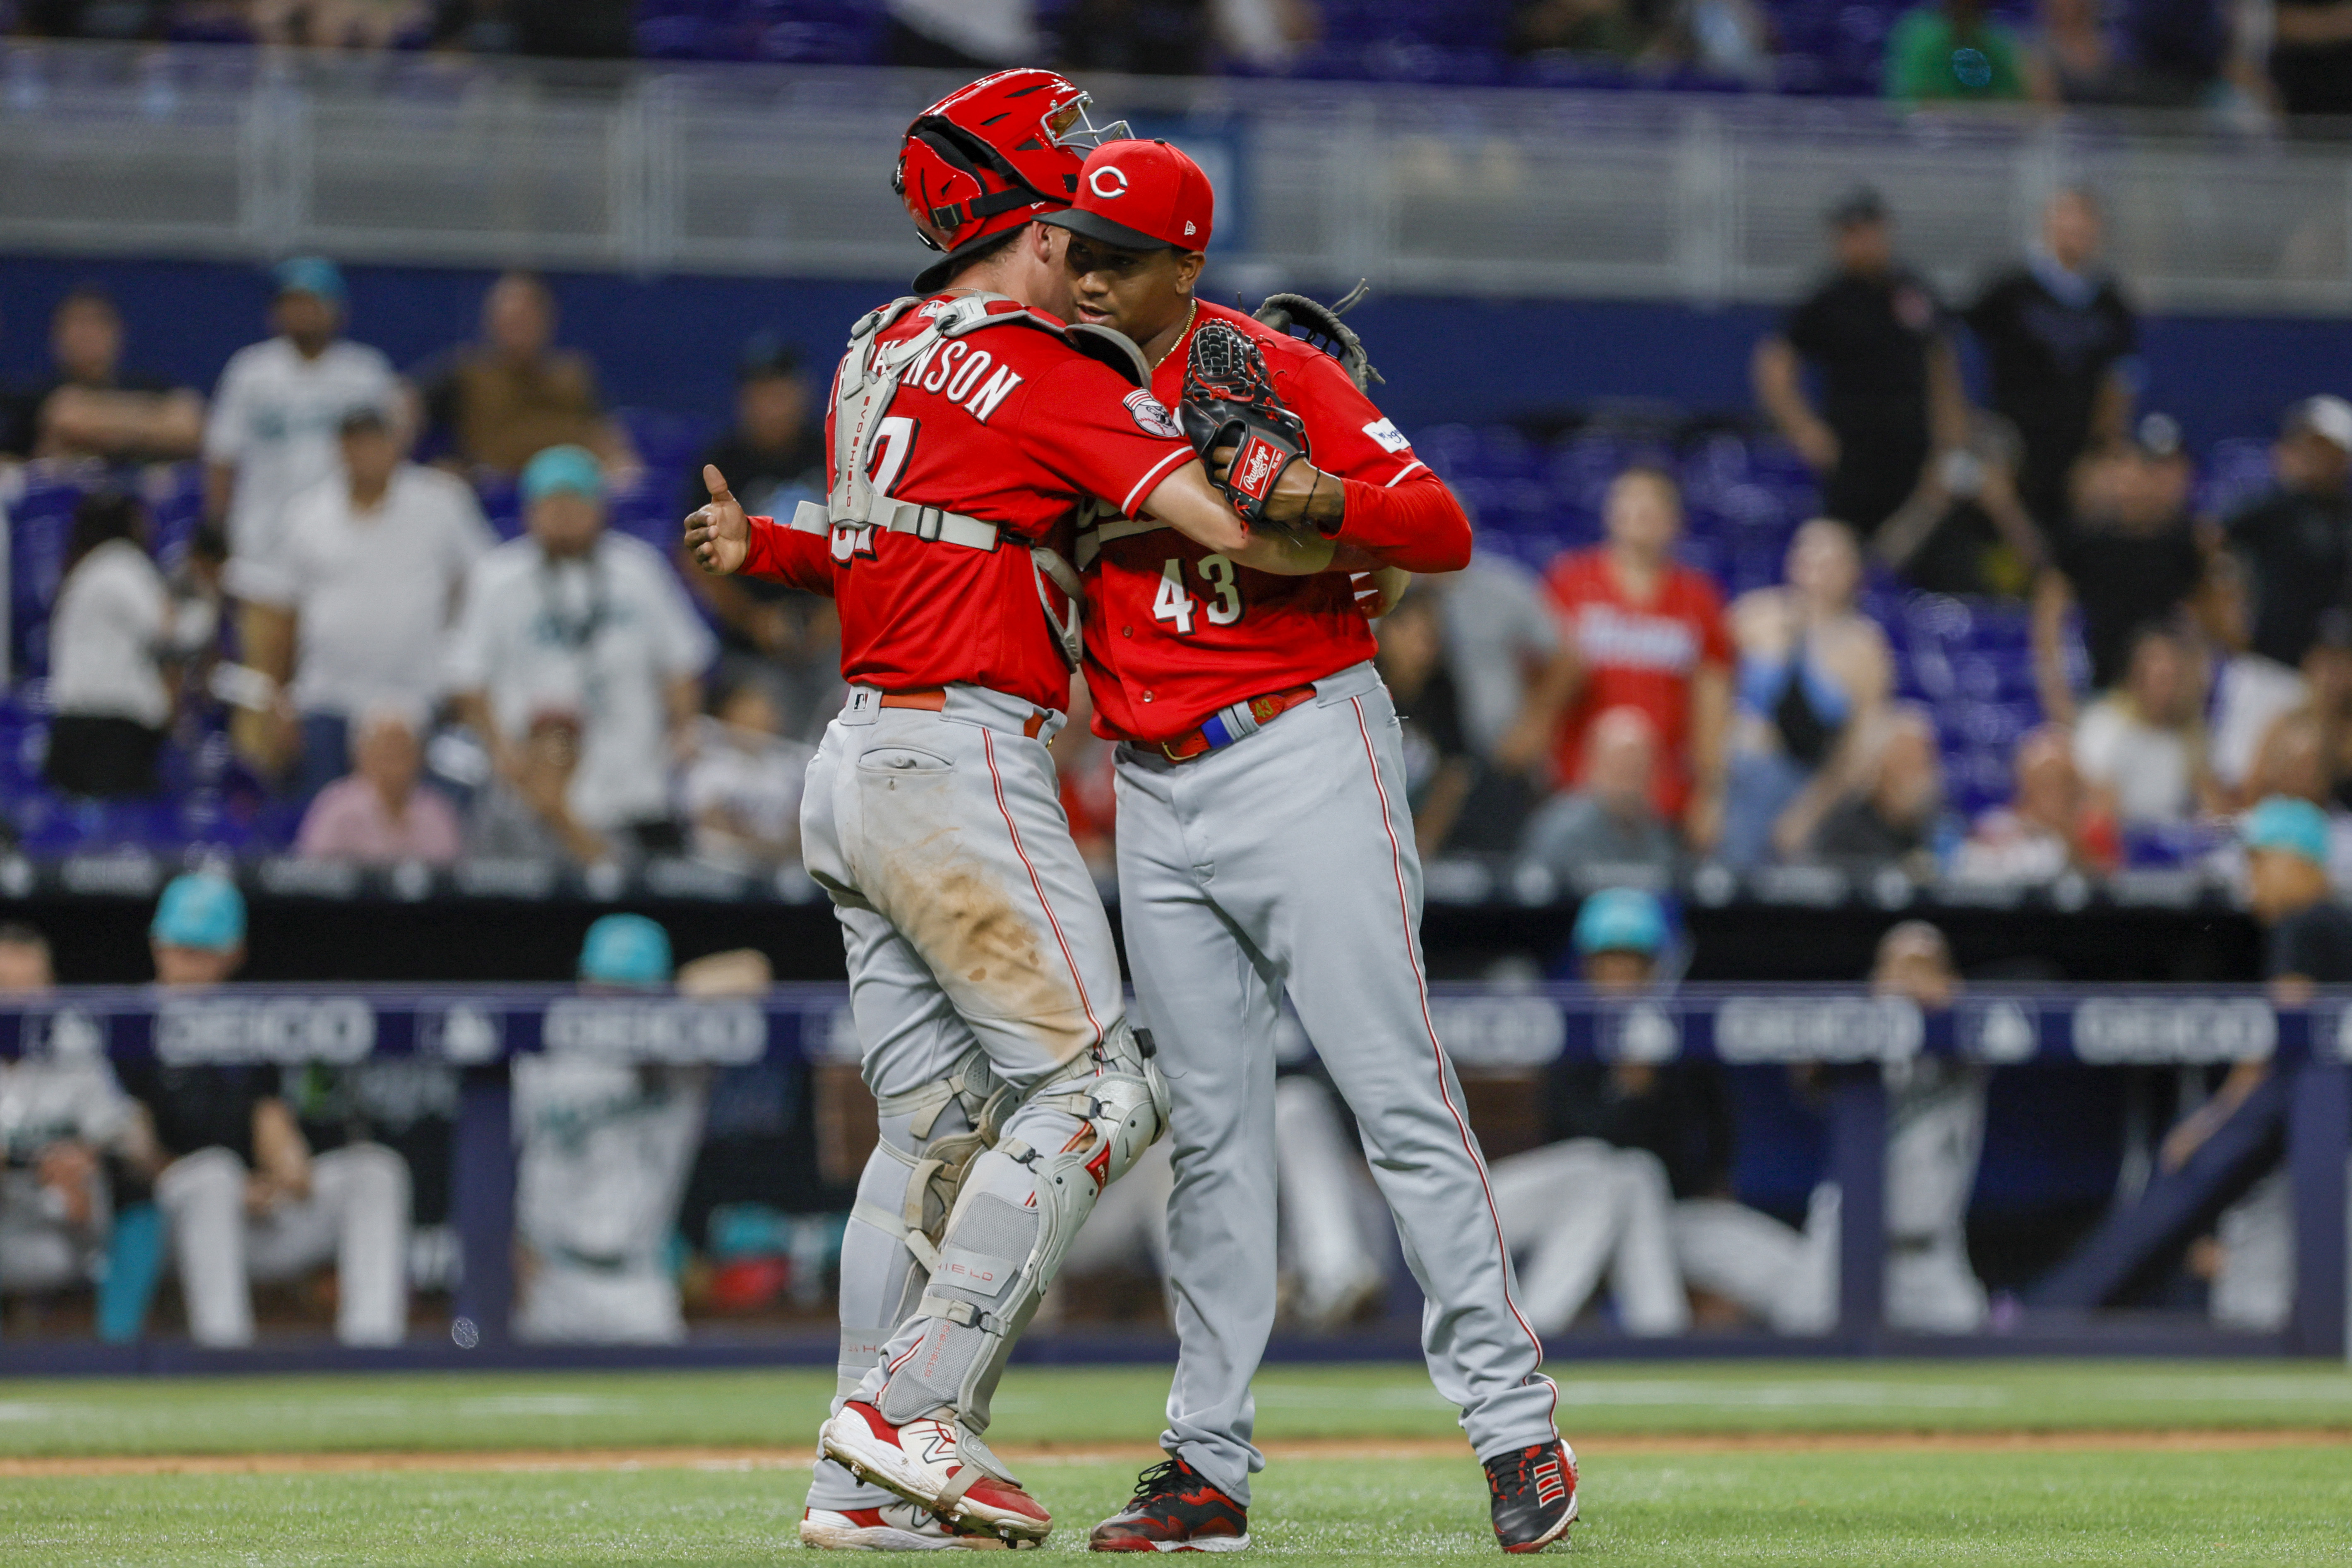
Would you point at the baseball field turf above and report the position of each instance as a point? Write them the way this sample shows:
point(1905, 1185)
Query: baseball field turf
point(1766, 1463)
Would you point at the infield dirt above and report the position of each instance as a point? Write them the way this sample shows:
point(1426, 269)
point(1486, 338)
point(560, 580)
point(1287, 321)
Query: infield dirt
point(2208, 1440)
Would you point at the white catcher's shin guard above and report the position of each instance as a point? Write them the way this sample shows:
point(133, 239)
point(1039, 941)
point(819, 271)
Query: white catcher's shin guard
point(1021, 1205)
point(928, 1139)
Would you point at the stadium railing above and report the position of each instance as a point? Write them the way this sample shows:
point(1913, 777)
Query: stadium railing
point(667, 166)
point(1852, 1034)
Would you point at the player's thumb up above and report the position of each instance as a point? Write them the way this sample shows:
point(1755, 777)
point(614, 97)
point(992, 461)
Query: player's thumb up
point(716, 482)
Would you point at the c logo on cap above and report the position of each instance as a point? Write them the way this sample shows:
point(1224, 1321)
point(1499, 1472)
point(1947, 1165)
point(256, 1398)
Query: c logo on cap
point(1116, 186)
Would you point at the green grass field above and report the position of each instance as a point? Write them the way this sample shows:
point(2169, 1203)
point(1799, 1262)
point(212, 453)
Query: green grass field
point(1863, 1481)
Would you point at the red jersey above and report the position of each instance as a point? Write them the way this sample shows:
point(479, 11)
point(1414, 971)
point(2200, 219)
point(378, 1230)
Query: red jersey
point(1009, 425)
point(1175, 632)
point(1637, 656)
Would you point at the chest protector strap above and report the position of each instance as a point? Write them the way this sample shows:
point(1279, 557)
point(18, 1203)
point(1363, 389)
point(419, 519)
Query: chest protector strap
point(871, 373)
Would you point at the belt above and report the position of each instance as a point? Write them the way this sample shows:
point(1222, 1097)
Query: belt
point(1226, 725)
point(934, 700)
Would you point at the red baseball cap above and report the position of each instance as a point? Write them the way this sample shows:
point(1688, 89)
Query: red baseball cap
point(1140, 196)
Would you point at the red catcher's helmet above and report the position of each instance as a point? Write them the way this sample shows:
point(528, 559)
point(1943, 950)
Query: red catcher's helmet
point(992, 156)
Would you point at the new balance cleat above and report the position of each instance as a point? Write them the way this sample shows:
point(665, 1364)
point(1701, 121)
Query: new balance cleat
point(1174, 1509)
point(1533, 1495)
point(919, 1462)
point(893, 1527)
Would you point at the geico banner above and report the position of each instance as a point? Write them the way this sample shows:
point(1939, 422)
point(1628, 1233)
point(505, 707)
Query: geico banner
point(656, 1030)
point(2119, 1029)
point(1499, 1031)
point(68, 1032)
point(1818, 1029)
point(1997, 1032)
point(1642, 1033)
point(264, 1029)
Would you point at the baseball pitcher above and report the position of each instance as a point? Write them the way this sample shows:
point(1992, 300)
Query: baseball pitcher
point(1264, 845)
point(969, 426)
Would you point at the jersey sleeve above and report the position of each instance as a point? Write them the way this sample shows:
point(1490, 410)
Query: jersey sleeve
point(1412, 521)
point(1397, 509)
point(1346, 434)
point(785, 555)
point(1084, 423)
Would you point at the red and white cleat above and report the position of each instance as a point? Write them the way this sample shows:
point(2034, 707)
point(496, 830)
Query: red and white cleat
point(919, 1462)
point(1533, 1495)
point(893, 1527)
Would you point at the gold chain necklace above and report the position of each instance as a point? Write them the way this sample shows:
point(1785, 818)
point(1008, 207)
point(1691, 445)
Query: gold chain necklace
point(1179, 338)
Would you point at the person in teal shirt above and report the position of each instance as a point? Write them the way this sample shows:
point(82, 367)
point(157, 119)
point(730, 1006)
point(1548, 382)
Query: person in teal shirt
point(1953, 51)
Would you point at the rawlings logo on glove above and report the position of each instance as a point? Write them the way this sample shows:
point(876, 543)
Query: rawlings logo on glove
point(1229, 404)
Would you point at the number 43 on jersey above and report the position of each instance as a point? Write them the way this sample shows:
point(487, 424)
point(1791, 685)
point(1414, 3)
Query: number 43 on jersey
point(1174, 607)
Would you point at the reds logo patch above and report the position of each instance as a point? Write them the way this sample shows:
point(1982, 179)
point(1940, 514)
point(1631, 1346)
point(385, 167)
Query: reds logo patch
point(1151, 416)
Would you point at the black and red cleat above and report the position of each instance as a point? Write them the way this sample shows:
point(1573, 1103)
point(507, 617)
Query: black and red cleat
point(1174, 1509)
point(1534, 1495)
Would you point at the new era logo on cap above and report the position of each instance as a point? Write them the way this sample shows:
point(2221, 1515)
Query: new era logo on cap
point(1142, 196)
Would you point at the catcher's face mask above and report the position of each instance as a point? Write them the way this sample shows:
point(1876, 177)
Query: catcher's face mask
point(994, 155)
point(1072, 128)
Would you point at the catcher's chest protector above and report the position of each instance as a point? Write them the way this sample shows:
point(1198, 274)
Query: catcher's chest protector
point(871, 373)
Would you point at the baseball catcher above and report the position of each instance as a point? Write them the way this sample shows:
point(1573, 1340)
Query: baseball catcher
point(970, 424)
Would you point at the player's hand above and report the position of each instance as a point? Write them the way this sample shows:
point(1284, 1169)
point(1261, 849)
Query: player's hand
point(719, 535)
point(261, 1195)
point(1303, 490)
point(68, 1168)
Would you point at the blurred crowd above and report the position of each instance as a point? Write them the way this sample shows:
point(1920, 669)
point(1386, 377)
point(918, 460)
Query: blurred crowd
point(2242, 60)
point(348, 629)
point(343, 605)
point(1611, 718)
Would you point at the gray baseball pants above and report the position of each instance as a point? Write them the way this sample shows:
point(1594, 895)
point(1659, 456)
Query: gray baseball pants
point(968, 917)
point(356, 1215)
point(1285, 862)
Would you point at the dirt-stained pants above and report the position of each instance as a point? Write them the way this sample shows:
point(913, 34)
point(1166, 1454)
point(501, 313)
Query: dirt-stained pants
point(968, 917)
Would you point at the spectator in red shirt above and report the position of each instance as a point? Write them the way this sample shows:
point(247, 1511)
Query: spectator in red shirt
point(1649, 633)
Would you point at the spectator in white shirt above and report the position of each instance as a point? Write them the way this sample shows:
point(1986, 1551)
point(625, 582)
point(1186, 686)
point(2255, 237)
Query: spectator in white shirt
point(114, 628)
point(271, 435)
point(2251, 693)
point(2142, 747)
point(355, 607)
point(743, 789)
point(576, 618)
